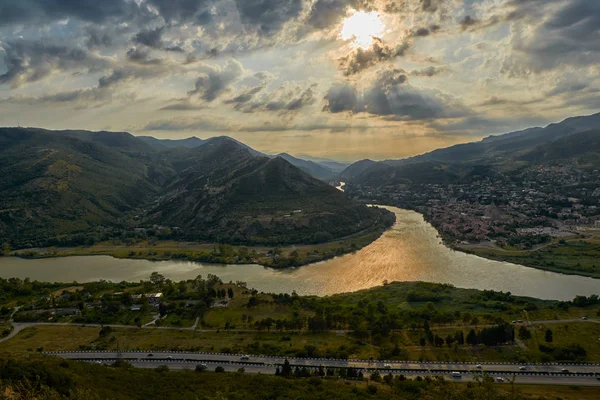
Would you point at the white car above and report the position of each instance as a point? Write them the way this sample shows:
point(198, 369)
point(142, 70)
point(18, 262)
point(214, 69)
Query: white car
point(456, 374)
point(244, 357)
point(478, 366)
point(500, 379)
point(387, 366)
point(522, 368)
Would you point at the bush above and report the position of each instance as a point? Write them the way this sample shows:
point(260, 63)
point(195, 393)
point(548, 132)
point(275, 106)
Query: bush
point(219, 369)
point(200, 368)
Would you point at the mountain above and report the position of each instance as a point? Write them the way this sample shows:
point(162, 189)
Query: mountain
point(57, 184)
point(312, 168)
point(222, 191)
point(190, 142)
point(572, 138)
point(356, 169)
point(335, 166)
point(501, 147)
point(53, 183)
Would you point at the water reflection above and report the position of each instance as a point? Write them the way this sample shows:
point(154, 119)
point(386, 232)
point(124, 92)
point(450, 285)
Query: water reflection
point(409, 251)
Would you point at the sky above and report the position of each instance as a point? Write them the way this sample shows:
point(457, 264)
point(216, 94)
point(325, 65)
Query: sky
point(343, 79)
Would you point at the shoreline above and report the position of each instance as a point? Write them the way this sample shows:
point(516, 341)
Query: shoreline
point(283, 257)
point(513, 257)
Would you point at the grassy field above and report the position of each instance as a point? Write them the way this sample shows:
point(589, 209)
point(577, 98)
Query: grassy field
point(574, 256)
point(326, 344)
point(59, 338)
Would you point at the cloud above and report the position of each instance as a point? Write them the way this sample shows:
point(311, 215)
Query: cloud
point(151, 38)
point(216, 80)
point(467, 22)
point(390, 95)
point(26, 11)
point(31, 61)
point(326, 13)
point(286, 98)
point(184, 124)
point(553, 34)
point(182, 10)
point(361, 59)
point(80, 97)
point(268, 16)
point(429, 71)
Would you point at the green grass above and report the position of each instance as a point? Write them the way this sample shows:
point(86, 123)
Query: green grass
point(575, 256)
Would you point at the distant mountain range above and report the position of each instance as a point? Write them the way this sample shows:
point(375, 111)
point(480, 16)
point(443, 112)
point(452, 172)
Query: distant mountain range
point(574, 139)
point(59, 183)
point(323, 169)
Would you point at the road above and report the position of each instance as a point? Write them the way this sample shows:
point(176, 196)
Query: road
point(578, 374)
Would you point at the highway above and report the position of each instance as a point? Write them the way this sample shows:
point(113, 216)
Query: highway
point(549, 373)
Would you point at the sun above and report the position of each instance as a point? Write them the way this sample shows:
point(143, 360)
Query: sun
point(362, 27)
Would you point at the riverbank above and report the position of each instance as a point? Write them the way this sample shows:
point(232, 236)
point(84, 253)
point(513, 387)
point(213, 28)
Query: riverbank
point(575, 256)
point(214, 253)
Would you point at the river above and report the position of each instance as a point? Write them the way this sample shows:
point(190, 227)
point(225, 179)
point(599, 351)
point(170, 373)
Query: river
point(409, 251)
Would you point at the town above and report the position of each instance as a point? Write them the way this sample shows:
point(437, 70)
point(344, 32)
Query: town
point(519, 211)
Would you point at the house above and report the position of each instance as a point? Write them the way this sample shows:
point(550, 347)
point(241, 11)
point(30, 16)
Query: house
point(154, 298)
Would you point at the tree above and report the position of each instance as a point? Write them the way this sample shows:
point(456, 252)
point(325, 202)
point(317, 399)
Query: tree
point(548, 335)
point(524, 333)
point(5, 249)
point(230, 293)
point(157, 279)
point(471, 338)
point(286, 369)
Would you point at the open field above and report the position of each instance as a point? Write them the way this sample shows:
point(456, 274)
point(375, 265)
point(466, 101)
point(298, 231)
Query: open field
point(573, 256)
point(324, 344)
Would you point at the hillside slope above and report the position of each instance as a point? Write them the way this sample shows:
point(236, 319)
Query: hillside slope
point(52, 183)
point(223, 192)
point(68, 183)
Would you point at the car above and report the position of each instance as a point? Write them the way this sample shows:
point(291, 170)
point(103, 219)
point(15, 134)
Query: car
point(513, 322)
point(150, 355)
point(244, 357)
point(169, 357)
point(478, 366)
point(522, 368)
point(387, 366)
point(499, 379)
point(456, 374)
point(520, 321)
point(564, 371)
point(584, 318)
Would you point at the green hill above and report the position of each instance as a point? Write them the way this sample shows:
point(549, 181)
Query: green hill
point(61, 183)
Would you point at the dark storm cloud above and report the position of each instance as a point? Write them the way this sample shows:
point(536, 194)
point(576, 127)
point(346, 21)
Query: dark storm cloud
point(217, 81)
point(22, 11)
point(30, 61)
point(361, 59)
point(391, 97)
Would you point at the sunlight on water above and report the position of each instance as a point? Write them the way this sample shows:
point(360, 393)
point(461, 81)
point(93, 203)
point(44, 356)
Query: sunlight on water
point(409, 251)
